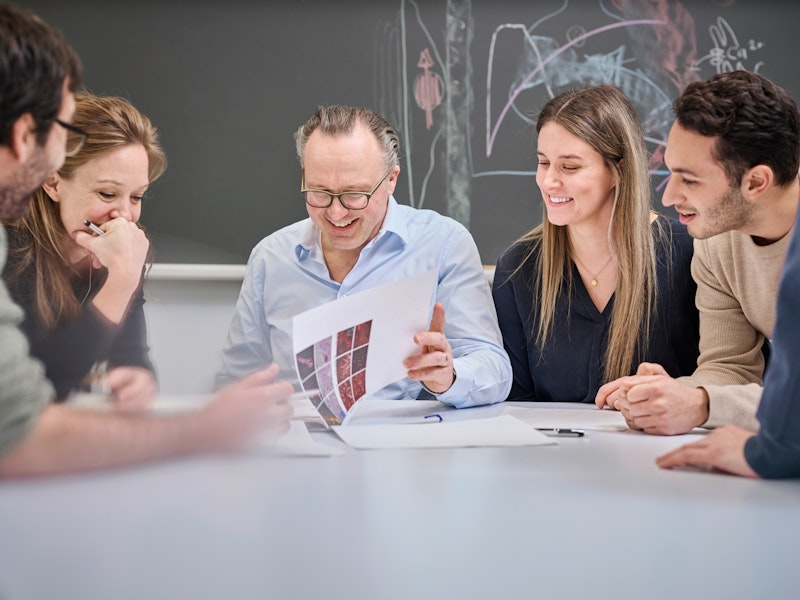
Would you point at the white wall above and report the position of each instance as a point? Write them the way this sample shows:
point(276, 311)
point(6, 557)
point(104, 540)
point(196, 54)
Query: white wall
point(188, 313)
point(188, 310)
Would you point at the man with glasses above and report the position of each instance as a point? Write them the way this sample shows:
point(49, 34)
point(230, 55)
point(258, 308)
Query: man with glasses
point(357, 236)
point(39, 74)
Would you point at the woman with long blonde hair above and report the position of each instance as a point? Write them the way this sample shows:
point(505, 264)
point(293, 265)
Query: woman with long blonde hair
point(76, 260)
point(602, 283)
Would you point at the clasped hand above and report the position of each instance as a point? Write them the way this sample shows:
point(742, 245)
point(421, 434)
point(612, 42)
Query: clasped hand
point(654, 402)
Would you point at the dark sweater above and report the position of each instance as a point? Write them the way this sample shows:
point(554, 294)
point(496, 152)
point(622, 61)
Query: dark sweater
point(70, 351)
point(775, 450)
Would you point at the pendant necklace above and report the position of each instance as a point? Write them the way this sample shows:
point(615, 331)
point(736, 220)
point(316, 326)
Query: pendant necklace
point(594, 277)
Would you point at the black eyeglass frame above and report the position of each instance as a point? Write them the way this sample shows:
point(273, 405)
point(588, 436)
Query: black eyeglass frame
point(304, 191)
point(77, 131)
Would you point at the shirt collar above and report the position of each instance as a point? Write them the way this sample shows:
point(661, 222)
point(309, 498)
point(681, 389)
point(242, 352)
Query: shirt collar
point(393, 223)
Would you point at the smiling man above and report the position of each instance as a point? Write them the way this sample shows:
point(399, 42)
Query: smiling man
point(358, 236)
point(733, 154)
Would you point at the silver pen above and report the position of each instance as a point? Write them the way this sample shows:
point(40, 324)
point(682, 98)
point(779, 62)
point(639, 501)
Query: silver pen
point(560, 431)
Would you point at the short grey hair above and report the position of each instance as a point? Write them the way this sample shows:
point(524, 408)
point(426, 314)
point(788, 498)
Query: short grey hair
point(341, 120)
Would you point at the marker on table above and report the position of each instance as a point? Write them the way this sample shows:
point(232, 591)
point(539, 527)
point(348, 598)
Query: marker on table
point(93, 227)
point(560, 432)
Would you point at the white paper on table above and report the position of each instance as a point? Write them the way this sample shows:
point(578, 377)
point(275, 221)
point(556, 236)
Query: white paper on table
point(376, 328)
point(503, 430)
point(296, 442)
point(590, 418)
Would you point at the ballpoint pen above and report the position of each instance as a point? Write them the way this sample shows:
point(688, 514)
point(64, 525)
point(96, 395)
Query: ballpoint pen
point(434, 418)
point(93, 227)
point(560, 431)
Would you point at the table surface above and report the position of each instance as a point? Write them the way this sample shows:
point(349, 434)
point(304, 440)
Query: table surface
point(589, 517)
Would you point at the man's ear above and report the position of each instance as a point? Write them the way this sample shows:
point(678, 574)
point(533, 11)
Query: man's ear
point(52, 187)
point(757, 180)
point(24, 139)
point(393, 179)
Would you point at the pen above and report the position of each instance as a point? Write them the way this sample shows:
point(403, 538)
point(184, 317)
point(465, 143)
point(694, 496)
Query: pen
point(435, 418)
point(93, 227)
point(560, 431)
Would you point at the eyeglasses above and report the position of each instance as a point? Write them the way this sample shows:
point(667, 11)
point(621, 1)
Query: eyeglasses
point(74, 141)
point(350, 200)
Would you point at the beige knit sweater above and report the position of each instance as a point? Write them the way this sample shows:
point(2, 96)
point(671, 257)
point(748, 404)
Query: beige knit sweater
point(737, 287)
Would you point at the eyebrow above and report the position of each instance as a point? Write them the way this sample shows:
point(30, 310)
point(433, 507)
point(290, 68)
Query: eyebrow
point(683, 171)
point(119, 183)
point(563, 156)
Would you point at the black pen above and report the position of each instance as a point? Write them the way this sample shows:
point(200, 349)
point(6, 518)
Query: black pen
point(93, 227)
point(560, 431)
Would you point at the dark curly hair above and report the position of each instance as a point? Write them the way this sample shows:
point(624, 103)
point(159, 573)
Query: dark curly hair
point(755, 123)
point(35, 60)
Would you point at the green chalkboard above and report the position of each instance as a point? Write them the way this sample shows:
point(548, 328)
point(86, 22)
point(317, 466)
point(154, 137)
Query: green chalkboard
point(228, 82)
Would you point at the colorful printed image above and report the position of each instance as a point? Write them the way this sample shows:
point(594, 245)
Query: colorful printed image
point(359, 360)
point(305, 362)
point(346, 392)
point(343, 367)
point(341, 382)
point(362, 334)
point(344, 341)
point(359, 384)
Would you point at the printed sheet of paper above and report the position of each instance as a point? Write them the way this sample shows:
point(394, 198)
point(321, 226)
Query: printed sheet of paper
point(354, 346)
point(504, 430)
point(590, 418)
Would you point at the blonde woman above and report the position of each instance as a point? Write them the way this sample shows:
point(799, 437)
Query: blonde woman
point(603, 283)
point(81, 284)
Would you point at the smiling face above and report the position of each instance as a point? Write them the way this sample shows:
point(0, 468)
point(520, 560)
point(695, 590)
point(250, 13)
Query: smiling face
point(351, 162)
point(104, 188)
point(698, 187)
point(577, 187)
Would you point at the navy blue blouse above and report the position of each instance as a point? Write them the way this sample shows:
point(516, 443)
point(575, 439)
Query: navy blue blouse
point(570, 369)
point(775, 451)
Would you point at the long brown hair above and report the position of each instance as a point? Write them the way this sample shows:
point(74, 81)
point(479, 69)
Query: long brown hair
point(605, 119)
point(111, 123)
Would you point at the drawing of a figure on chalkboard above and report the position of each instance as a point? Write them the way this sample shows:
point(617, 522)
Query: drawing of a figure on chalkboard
point(428, 87)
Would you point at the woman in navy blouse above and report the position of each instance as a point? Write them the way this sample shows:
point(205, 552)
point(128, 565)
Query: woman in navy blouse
point(603, 283)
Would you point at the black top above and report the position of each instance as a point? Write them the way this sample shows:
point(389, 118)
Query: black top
point(571, 367)
point(775, 450)
point(69, 352)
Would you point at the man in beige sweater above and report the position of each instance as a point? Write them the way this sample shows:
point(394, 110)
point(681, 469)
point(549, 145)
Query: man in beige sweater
point(733, 155)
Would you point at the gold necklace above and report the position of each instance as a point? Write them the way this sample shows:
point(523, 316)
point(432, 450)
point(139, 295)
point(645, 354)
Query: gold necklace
point(594, 277)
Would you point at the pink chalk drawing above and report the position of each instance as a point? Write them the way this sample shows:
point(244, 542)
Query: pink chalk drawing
point(428, 87)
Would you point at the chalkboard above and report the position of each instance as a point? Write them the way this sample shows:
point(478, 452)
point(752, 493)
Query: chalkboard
point(228, 82)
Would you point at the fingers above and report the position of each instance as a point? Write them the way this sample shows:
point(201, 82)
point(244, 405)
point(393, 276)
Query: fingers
point(651, 369)
point(123, 245)
point(606, 390)
point(437, 320)
point(434, 365)
point(688, 454)
point(258, 378)
point(133, 388)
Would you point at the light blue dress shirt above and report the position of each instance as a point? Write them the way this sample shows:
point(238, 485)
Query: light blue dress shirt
point(286, 275)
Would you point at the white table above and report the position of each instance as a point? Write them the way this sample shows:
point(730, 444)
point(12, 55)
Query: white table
point(589, 518)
